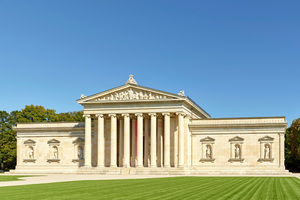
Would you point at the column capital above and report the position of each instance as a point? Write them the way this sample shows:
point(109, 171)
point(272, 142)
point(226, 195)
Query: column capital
point(166, 114)
point(181, 114)
point(99, 115)
point(152, 114)
point(112, 115)
point(126, 115)
point(86, 116)
point(139, 114)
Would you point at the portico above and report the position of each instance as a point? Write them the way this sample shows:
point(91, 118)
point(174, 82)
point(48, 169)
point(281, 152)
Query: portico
point(150, 145)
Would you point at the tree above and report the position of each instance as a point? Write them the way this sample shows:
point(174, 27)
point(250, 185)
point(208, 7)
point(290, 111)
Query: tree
point(36, 114)
point(7, 140)
point(31, 113)
point(292, 146)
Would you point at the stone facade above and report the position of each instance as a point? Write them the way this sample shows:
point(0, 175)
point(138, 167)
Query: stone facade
point(133, 129)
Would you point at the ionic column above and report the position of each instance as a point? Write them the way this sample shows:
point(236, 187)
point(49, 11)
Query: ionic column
point(153, 139)
point(113, 140)
point(100, 140)
point(180, 139)
point(139, 139)
point(160, 142)
point(146, 147)
point(121, 136)
point(167, 140)
point(88, 141)
point(133, 145)
point(126, 140)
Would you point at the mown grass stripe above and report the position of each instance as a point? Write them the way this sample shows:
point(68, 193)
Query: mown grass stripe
point(162, 188)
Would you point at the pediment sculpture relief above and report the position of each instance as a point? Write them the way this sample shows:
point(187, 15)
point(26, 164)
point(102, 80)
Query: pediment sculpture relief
point(131, 94)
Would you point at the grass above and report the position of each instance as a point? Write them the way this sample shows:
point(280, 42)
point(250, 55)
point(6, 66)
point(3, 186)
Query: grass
point(10, 178)
point(163, 188)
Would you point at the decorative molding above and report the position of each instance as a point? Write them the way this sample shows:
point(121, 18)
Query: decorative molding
point(236, 160)
point(207, 160)
point(166, 114)
point(112, 115)
point(181, 114)
point(265, 160)
point(53, 142)
point(29, 142)
point(139, 114)
point(207, 139)
point(86, 116)
point(152, 114)
point(78, 140)
point(99, 115)
point(126, 115)
point(53, 160)
point(77, 160)
point(132, 94)
point(131, 80)
point(266, 139)
point(236, 139)
point(29, 160)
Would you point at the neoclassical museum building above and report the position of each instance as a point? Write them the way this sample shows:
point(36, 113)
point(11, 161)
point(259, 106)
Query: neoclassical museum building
point(133, 129)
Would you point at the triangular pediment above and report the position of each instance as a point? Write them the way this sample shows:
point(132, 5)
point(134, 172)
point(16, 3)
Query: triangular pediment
point(130, 92)
point(78, 141)
point(29, 141)
point(53, 141)
point(266, 138)
point(236, 139)
point(207, 139)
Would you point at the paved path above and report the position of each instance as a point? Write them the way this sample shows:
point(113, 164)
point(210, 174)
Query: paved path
point(53, 178)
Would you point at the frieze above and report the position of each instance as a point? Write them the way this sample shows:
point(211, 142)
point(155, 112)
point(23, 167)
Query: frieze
point(131, 94)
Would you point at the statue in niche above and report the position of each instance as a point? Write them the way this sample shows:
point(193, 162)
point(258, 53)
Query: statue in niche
point(267, 152)
point(237, 152)
point(208, 152)
point(80, 153)
point(55, 152)
point(30, 153)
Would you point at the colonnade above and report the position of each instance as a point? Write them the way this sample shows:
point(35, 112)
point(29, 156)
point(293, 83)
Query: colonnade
point(124, 139)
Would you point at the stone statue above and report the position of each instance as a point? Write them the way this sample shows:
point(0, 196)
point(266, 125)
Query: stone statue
point(80, 153)
point(55, 152)
point(208, 152)
point(130, 93)
point(31, 153)
point(181, 93)
point(131, 80)
point(237, 152)
point(82, 96)
point(267, 152)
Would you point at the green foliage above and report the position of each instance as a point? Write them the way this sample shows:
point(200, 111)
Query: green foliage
point(8, 152)
point(30, 113)
point(292, 146)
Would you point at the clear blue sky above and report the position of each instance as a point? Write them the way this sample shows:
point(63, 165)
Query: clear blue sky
point(234, 58)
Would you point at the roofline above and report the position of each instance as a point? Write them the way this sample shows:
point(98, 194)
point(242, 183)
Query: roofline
point(198, 106)
point(245, 118)
point(133, 86)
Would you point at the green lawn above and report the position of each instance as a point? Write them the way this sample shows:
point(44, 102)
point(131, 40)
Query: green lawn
point(163, 188)
point(10, 178)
